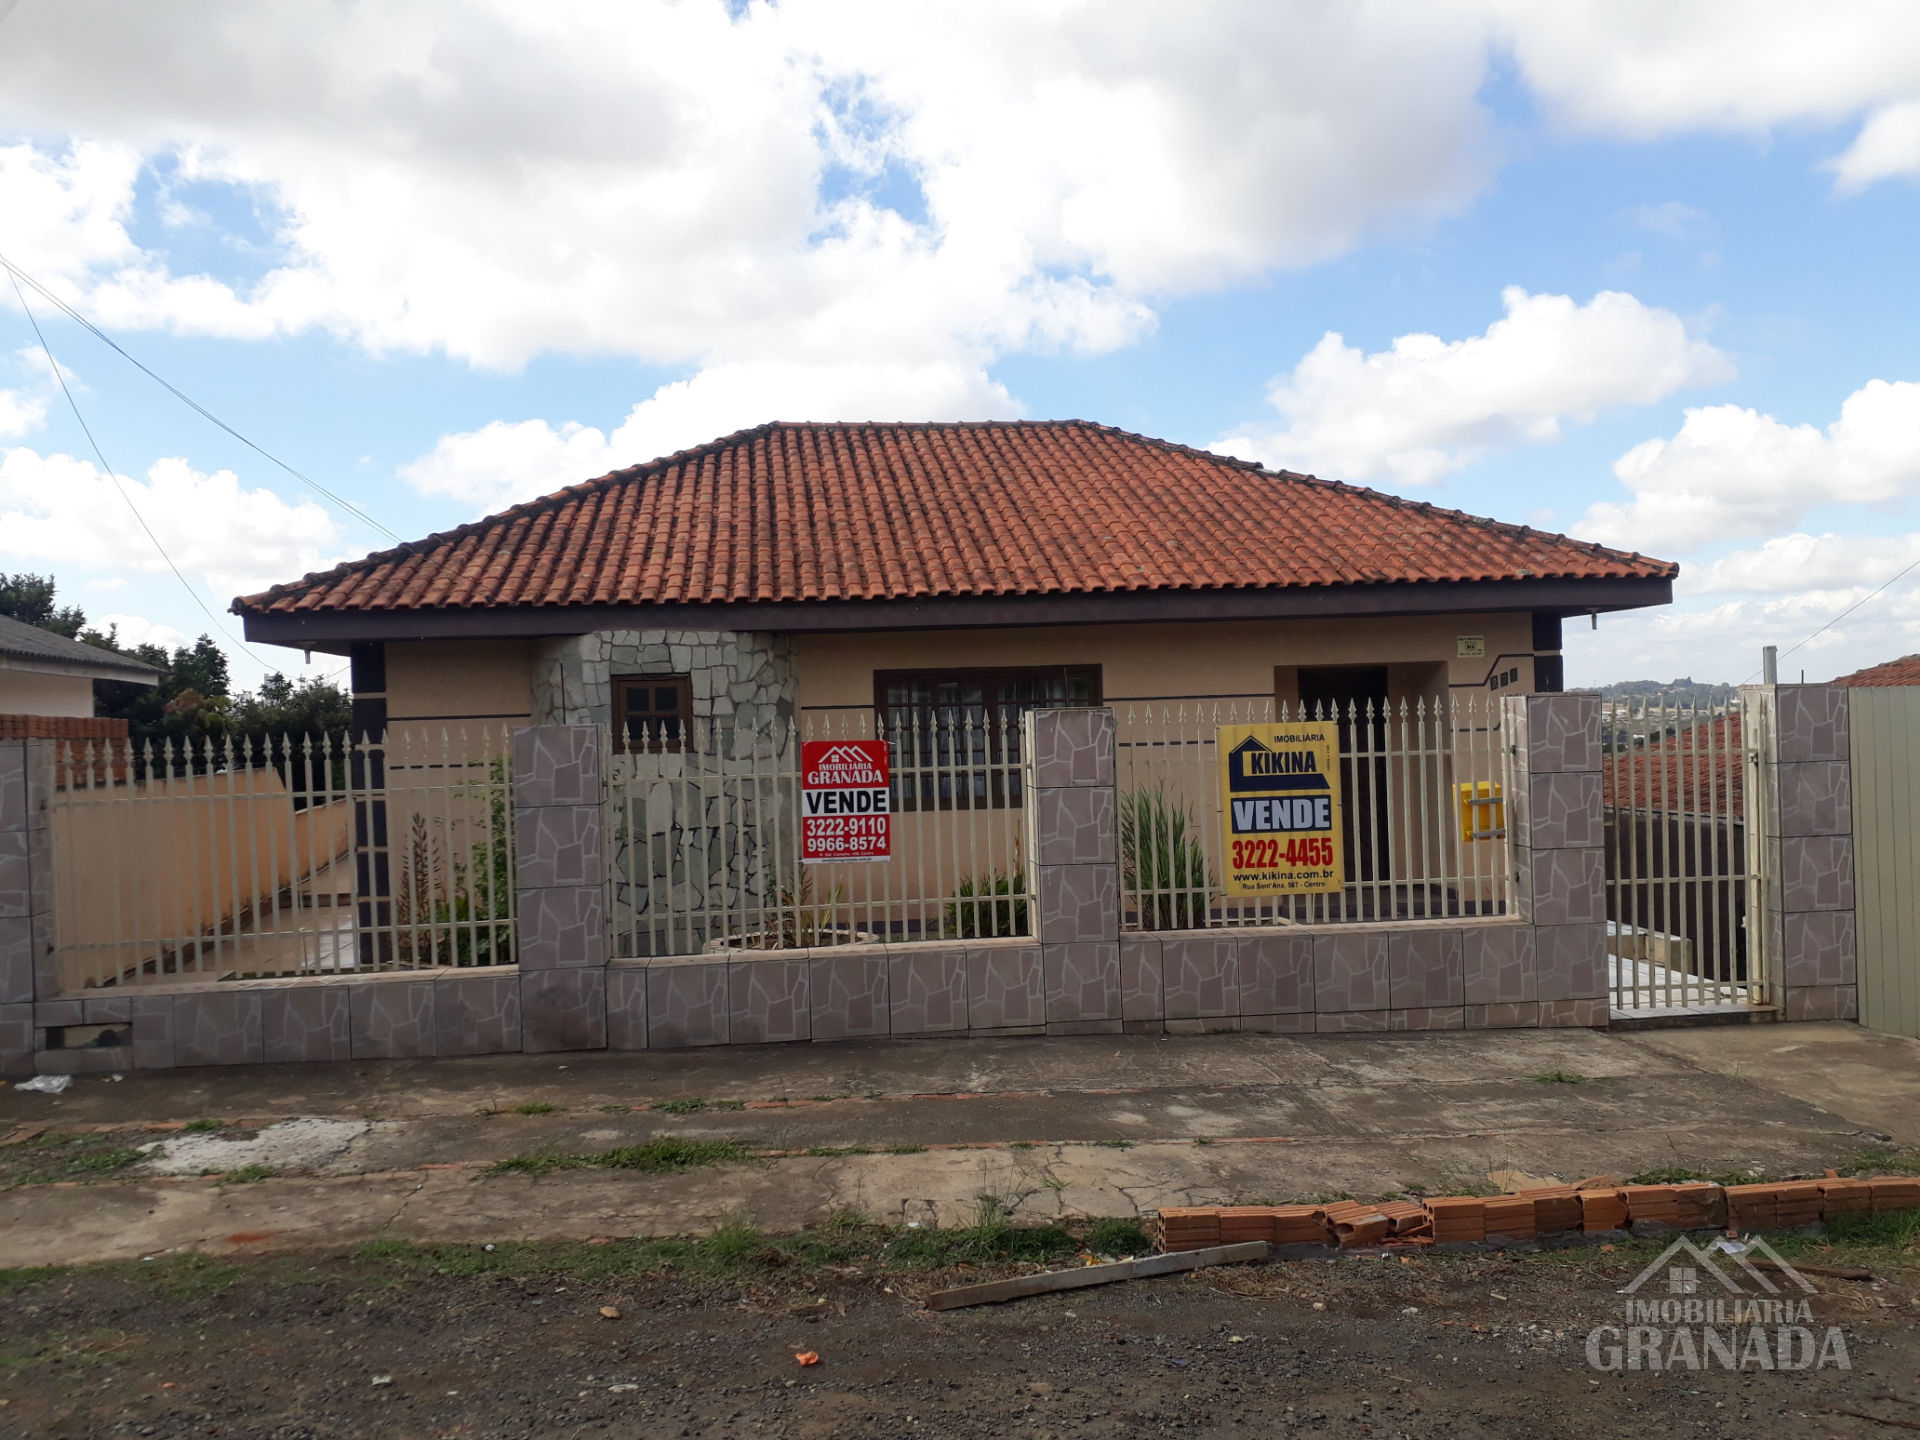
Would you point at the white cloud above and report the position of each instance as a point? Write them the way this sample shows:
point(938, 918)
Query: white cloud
point(1799, 562)
point(1644, 70)
point(666, 181)
point(1671, 218)
point(1428, 406)
point(131, 630)
point(504, 462)
point(1731, 473)
point(1887, 145)
point(56, 510)
point(20, 413)
point(1721, 643)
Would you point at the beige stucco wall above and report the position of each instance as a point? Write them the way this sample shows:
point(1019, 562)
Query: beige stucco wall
point(34, 692)
point(437, 686)
point(1154, 662)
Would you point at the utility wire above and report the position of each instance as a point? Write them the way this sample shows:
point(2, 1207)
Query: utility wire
point(1885, 585)
point(87, 430)
point(16, 274)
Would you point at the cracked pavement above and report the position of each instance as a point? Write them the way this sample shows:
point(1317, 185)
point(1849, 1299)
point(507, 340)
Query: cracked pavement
point(919, 1132)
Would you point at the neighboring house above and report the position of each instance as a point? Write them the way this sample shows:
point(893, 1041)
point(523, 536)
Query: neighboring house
point(44, 674)
point(1904, 671)
point(994, 566)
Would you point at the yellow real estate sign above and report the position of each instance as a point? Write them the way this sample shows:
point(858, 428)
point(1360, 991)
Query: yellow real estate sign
point(1280, 803)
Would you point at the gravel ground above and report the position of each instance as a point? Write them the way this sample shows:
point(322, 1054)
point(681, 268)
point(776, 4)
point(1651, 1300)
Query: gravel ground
point(387, 1344)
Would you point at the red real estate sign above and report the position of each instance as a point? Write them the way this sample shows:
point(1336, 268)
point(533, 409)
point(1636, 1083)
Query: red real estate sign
point(844, 801)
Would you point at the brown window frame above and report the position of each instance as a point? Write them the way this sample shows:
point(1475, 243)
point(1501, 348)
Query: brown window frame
point(990, 780)
point(682, 717)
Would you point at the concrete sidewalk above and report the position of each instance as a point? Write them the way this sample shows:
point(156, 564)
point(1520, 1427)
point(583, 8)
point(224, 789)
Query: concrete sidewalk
point(1090, 1125)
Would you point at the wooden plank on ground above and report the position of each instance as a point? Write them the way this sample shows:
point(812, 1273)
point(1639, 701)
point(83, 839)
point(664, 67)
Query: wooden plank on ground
point(995, 1291)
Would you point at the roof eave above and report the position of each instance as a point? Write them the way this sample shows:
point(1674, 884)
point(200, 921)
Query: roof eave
point(333, 630)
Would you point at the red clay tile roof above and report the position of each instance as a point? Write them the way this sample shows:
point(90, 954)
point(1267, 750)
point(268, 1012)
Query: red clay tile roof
point(1696, 769)
point(1904, 671)
point(795, 512)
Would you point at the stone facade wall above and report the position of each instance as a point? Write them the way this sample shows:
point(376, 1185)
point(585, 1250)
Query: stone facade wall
point(1805, 844)
point(682, 826)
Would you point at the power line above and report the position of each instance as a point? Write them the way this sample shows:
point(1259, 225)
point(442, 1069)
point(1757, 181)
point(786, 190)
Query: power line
point(1883, 586)
point(108, 470)
point(16, 274)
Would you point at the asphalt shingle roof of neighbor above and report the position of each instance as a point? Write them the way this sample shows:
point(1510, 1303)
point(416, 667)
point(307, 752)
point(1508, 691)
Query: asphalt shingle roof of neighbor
point(22, 641)
point(1904, 671)
point(798, 512)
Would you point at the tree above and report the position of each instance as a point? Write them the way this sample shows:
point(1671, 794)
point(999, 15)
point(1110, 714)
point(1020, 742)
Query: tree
point(29, 598)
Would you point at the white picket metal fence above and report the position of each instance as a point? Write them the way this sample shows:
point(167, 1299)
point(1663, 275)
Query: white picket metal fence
point(1684, 875)
point(1424, 836)
point(705, 835)
point(280, 855)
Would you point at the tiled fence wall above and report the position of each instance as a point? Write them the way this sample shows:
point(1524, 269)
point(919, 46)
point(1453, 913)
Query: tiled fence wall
point(1805, 809)
point(1079, 974)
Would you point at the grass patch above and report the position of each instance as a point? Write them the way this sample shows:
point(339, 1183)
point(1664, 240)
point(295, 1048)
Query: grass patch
point(833, 1150)
point(534, 1107)
point(1559, 1077)
point(1877, 1161)
point(614, 1109)
point(59, 1156)
point(248, 1175)
point(1117, 1237)
point(906, 1150)
point(1115, 1144)
point(660, 1156)
point(691, 1106)
point(202, 1127)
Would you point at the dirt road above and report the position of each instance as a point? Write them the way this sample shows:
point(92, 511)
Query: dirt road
point(386, 1344)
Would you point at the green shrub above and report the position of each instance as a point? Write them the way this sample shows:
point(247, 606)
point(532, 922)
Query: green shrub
point(1163, 864)
point(988, 905)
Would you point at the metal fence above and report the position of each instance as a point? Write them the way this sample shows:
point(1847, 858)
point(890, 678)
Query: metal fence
point(277, 855)
point(1682, 878)
point(1423, 831)
point(705, 835)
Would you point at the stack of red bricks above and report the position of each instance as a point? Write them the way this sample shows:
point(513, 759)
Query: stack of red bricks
point(1594, 1205)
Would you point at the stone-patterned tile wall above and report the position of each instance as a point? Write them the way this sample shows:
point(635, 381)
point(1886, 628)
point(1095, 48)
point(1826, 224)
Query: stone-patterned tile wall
point(560, 877)
point(1074, 873)
point(1808, 849)
point(26, 897)
point(1556, 831)
point(743, 686)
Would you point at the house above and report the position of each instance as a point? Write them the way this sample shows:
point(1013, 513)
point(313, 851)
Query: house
point(932, 583)
point(47, 675)
point(1904, 671)
point(902, 567)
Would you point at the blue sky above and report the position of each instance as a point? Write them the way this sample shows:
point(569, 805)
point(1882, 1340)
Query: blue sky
point(441, 268)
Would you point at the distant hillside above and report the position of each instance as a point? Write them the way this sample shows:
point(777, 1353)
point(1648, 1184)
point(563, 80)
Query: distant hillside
point(1685, 690)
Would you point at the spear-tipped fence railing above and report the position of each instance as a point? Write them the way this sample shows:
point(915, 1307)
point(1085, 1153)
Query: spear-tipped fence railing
point(258, 855)
point(706, 846)
point(1682, 879)
point(1423, 785)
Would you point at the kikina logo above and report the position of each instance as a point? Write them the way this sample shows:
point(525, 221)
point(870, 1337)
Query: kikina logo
point(1692, 1309)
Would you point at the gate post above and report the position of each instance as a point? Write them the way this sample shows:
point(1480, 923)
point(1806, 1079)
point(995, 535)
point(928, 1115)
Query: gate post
point(1073, 861)
point(1555, 821)
point(26, 896)
point(560, 886)
point(1806, 849)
